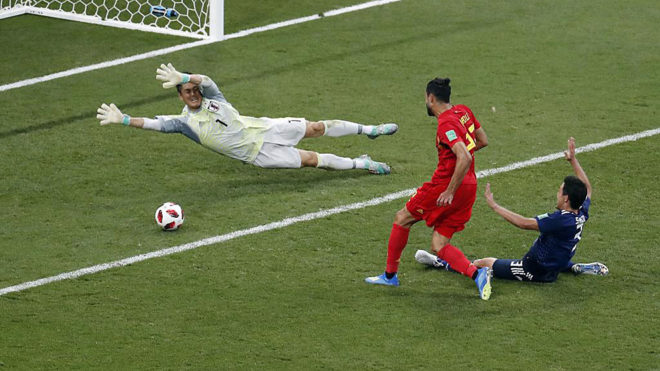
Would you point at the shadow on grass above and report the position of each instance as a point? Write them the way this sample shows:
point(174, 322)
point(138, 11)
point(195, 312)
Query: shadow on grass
point(82, 116)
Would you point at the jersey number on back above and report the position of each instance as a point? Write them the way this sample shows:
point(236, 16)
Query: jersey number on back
point(471, 143)
point(578, 226)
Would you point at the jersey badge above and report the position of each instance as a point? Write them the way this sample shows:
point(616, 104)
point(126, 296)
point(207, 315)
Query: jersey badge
point(543, 216)
point(213, 106)
point(451, 135)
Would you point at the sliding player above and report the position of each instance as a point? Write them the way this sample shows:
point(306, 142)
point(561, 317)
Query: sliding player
point(561, 231)
point(210, 120)
point(445, 203)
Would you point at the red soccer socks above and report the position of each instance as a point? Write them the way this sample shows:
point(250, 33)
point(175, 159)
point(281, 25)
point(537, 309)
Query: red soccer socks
point(395, 246)
point(457, 260)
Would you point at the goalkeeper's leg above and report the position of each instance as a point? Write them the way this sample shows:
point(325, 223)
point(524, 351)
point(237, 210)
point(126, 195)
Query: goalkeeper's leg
point(334, 162)
point(339, 128)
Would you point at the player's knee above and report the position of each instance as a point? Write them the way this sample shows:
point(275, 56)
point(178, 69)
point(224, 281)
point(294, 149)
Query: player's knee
point(314, 129)
point(485, 262)
point(308, 158)
point(404, 218)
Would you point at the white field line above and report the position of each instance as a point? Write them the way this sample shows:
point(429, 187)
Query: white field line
point(305, 217)
point(176, 48)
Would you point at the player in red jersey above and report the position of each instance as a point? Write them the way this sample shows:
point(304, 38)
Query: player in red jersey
point(445, 202)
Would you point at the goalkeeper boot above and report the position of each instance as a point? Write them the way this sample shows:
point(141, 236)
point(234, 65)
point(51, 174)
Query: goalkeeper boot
point(426, 258)
point(383, 280)
point(483, 282)
point(595, 268)
point(383, 129)
point(374, 167)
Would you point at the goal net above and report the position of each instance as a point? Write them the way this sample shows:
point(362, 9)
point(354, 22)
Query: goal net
point(202, 19)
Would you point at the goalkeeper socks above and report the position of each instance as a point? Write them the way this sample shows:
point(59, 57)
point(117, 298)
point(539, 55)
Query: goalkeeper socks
point(457, 260)
point(360, 163)
point(339, 128)
point(395, 246)
point(330, 161)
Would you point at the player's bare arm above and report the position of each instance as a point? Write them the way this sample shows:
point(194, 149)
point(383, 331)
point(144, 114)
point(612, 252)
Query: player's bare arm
point(513, 218)
point(569, 154)
point(463, 161)
point(481, 139)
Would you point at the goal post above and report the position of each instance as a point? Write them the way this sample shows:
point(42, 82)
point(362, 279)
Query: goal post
point(201, 19)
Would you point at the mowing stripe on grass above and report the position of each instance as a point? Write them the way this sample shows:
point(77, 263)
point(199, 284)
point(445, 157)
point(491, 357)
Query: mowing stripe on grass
point(176, 48)
point(306, 217)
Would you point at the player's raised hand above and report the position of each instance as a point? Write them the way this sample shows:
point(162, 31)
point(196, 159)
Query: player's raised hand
point(110, 114)
point(489, 196)
point(570, 152)
point(171, 76)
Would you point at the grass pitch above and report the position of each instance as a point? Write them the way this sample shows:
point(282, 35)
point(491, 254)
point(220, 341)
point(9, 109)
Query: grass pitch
point(78, 194)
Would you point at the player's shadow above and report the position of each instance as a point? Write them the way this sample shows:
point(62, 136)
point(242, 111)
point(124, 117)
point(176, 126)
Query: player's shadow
point(301, 178)
point(82, 116)
point(318, 60)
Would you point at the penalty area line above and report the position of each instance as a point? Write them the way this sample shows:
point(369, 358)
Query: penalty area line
point(307, 217)
point(180, 47)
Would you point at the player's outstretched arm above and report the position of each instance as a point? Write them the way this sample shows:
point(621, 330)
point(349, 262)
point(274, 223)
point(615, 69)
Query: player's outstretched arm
point(110, 114)
point(171, 77)
point(577, 169)
point(513, 218)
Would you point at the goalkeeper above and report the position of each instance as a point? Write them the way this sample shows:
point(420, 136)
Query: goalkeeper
point(211, 121)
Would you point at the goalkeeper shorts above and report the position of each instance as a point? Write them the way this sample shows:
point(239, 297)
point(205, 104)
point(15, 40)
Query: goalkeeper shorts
point(278, 150)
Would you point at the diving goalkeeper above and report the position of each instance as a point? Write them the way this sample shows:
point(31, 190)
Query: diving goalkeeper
point(210, 120)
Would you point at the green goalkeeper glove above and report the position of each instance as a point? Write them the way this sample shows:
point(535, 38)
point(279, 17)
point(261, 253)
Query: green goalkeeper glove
point(112, 115)
point(171, 76)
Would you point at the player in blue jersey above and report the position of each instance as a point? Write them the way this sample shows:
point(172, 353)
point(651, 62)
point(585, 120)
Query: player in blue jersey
point(561, 231)
point(211, 121)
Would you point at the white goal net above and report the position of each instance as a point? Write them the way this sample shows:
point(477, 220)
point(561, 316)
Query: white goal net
point(192, 18)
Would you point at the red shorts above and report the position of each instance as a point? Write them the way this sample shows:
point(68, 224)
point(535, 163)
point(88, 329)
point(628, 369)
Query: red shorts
point(445, 220)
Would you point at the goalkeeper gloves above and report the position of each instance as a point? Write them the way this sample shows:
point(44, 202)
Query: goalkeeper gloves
point(171, 76)
point(112, 115)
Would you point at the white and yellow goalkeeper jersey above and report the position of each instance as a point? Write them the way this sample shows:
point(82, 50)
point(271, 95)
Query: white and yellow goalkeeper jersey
point(218, 126)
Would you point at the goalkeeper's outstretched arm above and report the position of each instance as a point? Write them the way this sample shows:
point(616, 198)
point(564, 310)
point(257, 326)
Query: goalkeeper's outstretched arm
point(171, 78)
point(110, 114)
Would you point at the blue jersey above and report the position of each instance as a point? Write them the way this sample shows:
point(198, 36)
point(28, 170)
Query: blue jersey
point(560, 233)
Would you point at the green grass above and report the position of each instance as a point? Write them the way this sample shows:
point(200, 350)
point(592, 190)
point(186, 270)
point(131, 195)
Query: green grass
point(78, 194)
point(37, 50)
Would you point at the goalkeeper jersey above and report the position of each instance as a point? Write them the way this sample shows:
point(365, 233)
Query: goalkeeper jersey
point(218, 126)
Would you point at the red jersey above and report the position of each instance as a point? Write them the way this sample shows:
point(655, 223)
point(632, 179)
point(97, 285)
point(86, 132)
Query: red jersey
point(455, 124)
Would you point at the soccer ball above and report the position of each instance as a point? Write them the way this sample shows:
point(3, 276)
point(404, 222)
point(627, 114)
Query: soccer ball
point(169, 216)
point(160, 11)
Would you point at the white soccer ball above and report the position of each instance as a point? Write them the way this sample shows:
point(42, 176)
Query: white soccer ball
point(169, 216)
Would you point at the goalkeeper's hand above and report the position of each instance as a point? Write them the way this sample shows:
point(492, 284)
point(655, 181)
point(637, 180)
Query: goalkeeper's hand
point(171, 76)
point(111, 115)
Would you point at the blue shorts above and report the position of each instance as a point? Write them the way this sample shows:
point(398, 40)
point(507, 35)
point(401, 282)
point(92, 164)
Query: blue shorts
point(525, 269)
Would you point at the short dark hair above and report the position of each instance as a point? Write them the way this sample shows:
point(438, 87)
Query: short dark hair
point(178, 87)
point(576, 191)
point(440, 88)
